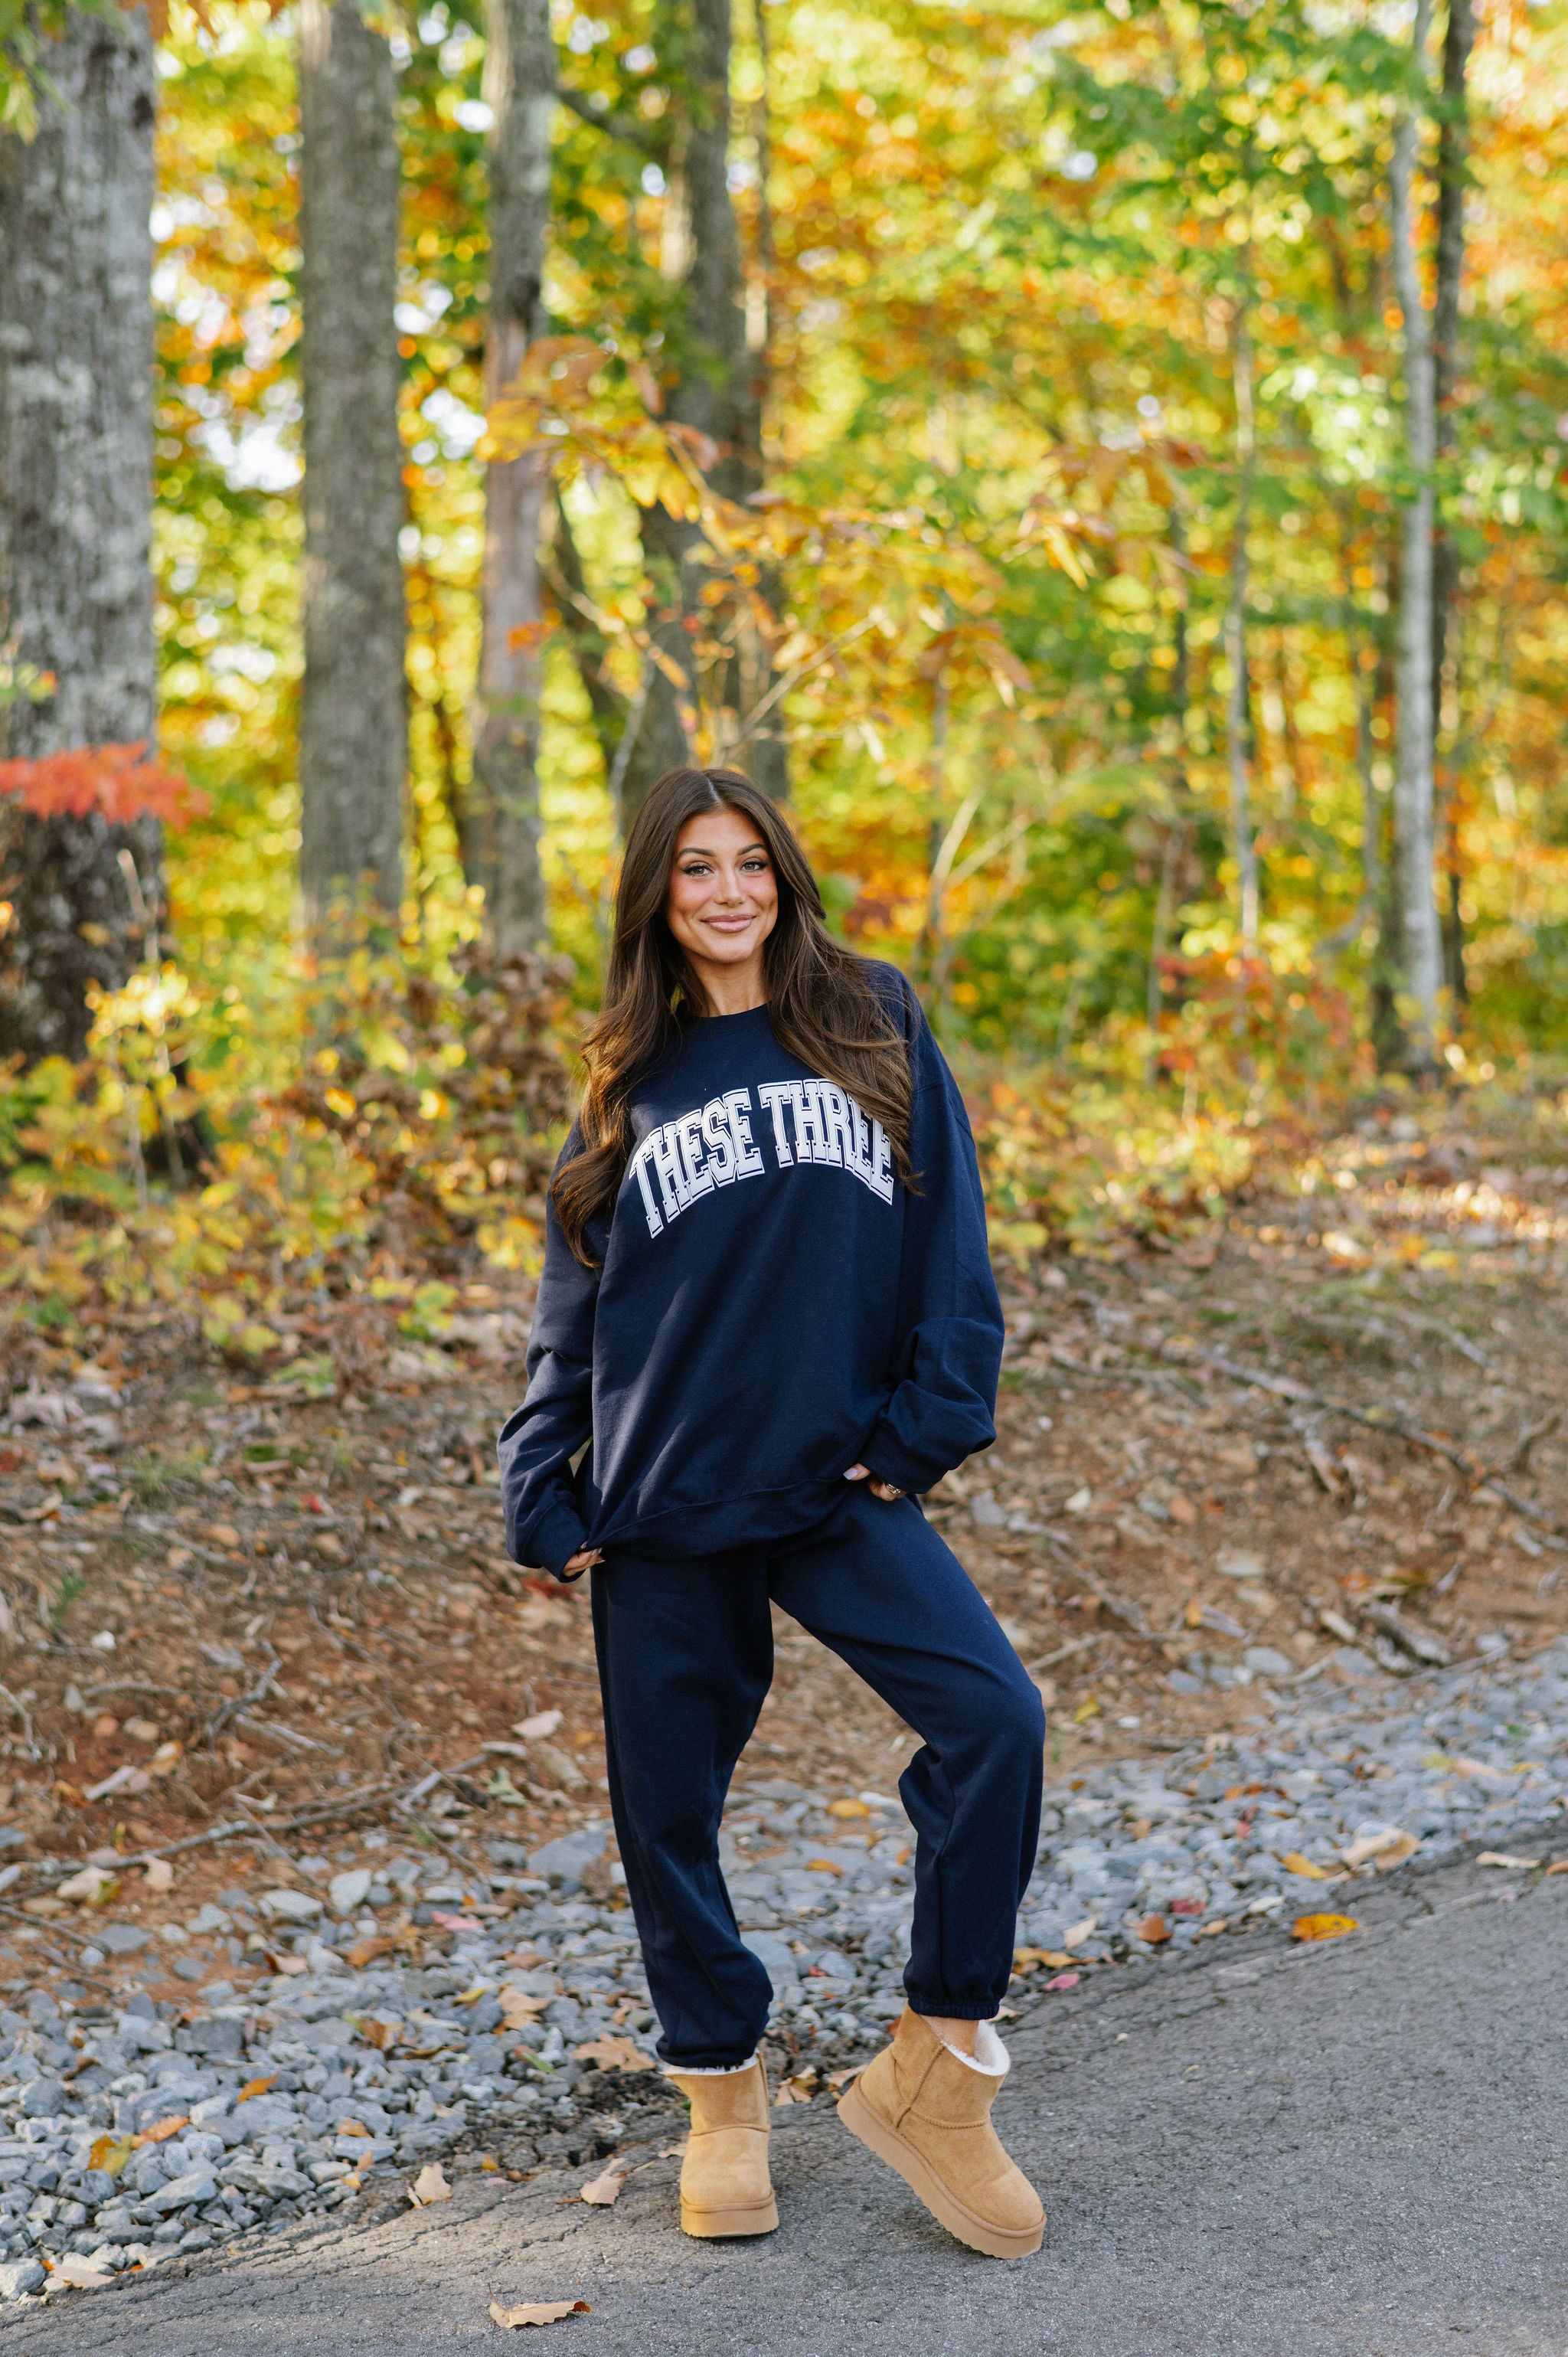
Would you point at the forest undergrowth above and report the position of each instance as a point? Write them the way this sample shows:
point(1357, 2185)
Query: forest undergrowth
point(1306, 1427)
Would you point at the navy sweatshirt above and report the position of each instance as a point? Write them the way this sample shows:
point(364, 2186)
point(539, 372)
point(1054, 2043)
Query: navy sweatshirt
point(773, 1306)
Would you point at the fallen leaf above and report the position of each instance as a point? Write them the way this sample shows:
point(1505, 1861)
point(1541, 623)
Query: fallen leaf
point(799, 2089)
point(430, 2186)
point(1559, 1867)
point(837, 2079)
point(848, 1809)
point(166, 1759)
point(365, 1951)
point(1153, 1930)
point(542, 1723)
point(1076, 1933)
point(1505, 1857)
point(822, 1865)
point(110, 2154)
point(1396, 1853)
point(518, 2005)
point(161, 2130)
point(1323, 1927)
point(537, 2311)
point(458, 1922)
point(1374, 1845)
point(613, 2054)
point(255, 2087)
point(381, 2034)
point(472, 1995)
point(159, 1874)
point(1294, 1862)
point(1065, 1981)
point(606, 2188)
point(225, 1534)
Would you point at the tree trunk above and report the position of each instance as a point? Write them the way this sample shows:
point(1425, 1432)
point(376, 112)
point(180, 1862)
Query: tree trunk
point(76, 590)
point(1453, 157)
point(353, 752)
point(500, 833)
point(719, 392)
point(1243, 845)
point(1421, 946)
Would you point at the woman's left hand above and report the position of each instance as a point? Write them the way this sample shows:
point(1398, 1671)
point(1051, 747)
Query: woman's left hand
point(878, 1489)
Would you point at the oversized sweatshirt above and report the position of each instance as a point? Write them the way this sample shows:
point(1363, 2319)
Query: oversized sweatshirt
point(772, 1305)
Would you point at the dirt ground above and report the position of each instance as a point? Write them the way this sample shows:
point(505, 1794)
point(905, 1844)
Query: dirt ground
point(1332, 1421)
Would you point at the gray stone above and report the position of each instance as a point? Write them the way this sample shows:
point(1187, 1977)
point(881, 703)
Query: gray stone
point(289, 1906)
point(196, 2186)
point(138, 2034)
point(121, 1939)
point(570, 1853)
point(219, 2035)
point(42, 2099)
point(19, 2276)
point(349, 1890)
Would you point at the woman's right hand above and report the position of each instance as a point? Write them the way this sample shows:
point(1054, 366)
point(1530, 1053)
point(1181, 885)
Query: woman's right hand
point(584, 1560)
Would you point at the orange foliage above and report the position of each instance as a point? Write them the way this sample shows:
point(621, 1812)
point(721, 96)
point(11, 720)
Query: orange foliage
point(116, 781)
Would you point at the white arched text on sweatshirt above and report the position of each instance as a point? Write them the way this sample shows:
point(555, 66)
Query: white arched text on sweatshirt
point(813, 1122)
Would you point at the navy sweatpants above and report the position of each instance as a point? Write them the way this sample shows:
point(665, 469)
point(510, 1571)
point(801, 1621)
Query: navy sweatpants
point(686, 1652)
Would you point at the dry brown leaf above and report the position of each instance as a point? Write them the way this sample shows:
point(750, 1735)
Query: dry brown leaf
point(606, 2188)
point(613, 2054)
point(1295, 1862)
point(378, 1944)
point(1153, 1931)
point(537, 2311)
point(430, 2186)
point(381, 2034)
point(1370, 1845)
point(822, 1865)
point(255, 2087)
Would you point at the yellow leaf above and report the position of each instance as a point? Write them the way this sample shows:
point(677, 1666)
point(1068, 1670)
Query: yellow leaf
point(1295, 1863)
point(537, 2311)
point(1323, 1927)
point(822, 1865)
point(110, 2154)
point(848, 1809)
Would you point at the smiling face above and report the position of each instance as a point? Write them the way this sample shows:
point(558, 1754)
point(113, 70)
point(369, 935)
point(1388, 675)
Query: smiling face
point(721, 903)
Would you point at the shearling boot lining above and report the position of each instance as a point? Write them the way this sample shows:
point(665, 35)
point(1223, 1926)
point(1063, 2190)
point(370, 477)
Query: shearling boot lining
point(990, 2058)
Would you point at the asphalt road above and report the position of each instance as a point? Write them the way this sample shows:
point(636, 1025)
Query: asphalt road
point(1276, 2152)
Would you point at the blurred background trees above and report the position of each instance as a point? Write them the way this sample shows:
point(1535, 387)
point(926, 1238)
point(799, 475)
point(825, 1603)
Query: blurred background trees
point(1105, 469)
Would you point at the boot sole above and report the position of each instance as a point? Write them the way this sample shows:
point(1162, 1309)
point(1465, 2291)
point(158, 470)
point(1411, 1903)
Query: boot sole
point(863, 2120)
point(722, 2225)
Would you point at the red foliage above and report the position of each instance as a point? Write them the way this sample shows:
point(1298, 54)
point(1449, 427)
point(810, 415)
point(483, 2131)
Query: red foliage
point(116, 781)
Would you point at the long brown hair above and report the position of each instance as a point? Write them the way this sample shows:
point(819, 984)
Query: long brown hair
point(822, 1003)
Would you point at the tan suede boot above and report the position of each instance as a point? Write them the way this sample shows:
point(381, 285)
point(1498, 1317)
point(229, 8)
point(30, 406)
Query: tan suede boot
point(929, 2117)
point(725, 2185)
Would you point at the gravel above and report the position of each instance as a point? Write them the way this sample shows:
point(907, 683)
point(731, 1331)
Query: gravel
point(370, 2072)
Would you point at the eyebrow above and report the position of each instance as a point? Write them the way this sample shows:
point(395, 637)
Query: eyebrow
point(698, 851)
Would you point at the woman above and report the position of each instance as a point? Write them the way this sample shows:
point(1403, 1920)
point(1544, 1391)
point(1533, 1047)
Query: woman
point(767, 1302)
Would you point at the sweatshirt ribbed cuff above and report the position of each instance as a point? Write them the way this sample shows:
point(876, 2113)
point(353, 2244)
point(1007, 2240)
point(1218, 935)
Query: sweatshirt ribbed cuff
point(884, 1457)
point(552, 1540)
